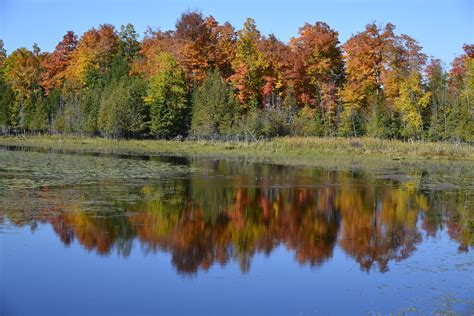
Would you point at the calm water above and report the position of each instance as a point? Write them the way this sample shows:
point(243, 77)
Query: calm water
point(115, 234)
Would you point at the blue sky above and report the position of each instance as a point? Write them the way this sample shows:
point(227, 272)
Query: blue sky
point(441, 26)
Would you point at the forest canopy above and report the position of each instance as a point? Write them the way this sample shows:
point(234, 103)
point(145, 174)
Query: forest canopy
point(206, 79)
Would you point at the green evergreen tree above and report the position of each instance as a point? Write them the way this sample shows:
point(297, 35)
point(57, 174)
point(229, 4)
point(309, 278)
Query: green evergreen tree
point(37, 115)
point(129, 46)
point(213, 109)
point(7, 97)
point(438, 86)
point(122, 109)
point(461, 116)
point(382, 122)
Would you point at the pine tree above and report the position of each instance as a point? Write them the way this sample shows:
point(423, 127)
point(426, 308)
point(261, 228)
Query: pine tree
point(213, 110)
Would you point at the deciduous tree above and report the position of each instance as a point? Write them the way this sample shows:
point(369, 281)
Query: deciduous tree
point(56, 63)
point(23, 73)
point(168, 99)
point(249, 66)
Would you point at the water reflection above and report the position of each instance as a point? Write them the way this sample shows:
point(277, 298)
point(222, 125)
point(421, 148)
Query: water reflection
point(232, 210)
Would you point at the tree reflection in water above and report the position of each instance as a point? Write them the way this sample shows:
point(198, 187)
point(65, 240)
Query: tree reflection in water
point(221, 216)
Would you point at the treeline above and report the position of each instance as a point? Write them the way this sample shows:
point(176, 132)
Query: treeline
point(207, 80)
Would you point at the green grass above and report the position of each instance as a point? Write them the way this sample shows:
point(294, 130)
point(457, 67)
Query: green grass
point(289, 149)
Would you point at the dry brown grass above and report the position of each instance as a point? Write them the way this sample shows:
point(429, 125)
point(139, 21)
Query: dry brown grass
point(279, 148)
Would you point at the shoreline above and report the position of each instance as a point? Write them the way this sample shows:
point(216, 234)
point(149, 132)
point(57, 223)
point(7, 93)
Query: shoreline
point(285, 150)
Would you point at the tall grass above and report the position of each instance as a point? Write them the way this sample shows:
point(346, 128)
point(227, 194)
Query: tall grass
point(285, 147)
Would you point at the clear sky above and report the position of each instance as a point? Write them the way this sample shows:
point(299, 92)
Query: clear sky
point(441, 26)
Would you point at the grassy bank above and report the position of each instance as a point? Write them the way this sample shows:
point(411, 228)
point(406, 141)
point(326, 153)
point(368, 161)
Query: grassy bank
point(294, 148)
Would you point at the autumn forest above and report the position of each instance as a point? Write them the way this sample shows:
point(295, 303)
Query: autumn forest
point(302, 158)
point(207, 80)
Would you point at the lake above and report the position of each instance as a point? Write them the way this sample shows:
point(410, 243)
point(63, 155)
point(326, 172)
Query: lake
point(121, 234)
